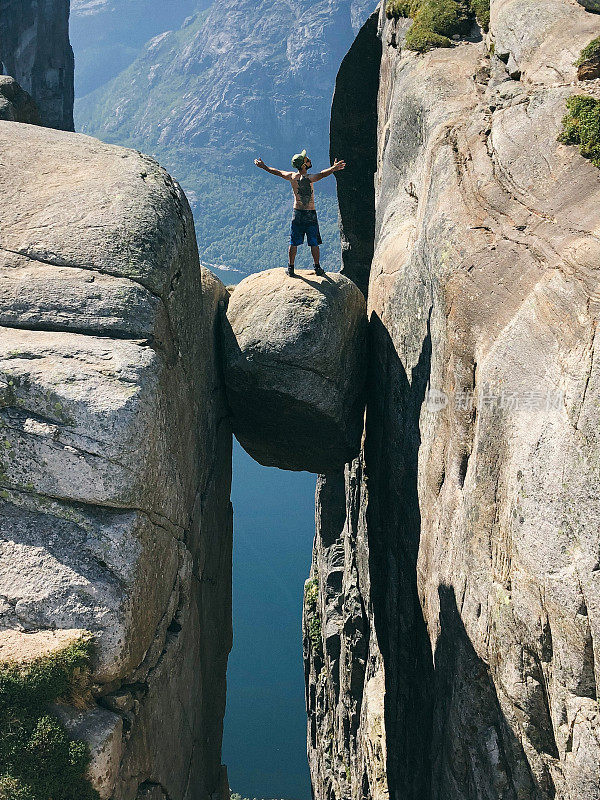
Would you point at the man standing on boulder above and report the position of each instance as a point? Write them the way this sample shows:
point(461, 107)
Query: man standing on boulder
point(304, 215)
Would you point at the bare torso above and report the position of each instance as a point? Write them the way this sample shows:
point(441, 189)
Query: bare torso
point(304, 193)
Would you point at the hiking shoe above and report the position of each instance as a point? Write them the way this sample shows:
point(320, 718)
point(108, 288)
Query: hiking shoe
point(319, 270)
point(290, 271)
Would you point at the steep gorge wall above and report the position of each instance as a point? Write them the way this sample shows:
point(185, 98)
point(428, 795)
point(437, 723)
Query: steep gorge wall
point(115, 465)
point(452, 622)
point(35, 51)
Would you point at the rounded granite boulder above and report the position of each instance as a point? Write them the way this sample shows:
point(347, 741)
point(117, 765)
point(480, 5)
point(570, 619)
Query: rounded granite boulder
point(294, 360)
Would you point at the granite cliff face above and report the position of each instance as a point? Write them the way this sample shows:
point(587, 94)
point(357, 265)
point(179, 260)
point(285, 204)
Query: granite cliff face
point(452, 616)
point(107, 35)
point(35, 51)
point(116, 453)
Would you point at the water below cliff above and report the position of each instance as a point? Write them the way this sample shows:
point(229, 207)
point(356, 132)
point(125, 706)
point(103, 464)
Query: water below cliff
point(264, 743)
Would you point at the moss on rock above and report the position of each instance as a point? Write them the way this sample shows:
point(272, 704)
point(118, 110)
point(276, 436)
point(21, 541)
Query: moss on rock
point(581, 126)
point(312, 615)
point(435, 22)
point(38, 759)
point(591, 51)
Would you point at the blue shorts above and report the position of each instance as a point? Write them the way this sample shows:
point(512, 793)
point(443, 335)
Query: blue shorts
point(305, 222)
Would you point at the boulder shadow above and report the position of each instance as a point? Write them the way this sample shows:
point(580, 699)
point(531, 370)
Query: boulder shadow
point(474, 750)
point(447, 737)
point(394, 528)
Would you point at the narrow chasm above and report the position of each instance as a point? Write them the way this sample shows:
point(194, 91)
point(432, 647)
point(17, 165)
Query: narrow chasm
point(293, 351)
point(368, 671)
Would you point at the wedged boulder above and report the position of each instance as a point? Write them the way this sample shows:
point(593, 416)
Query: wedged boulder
point(16, 105)
point(294, 359)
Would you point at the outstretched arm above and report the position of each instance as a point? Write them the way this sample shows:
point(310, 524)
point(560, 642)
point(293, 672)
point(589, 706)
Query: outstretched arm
point(280, 174)
point(337, 165)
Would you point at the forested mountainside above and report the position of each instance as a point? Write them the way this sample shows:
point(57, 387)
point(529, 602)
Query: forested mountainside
point(109, 34)
point(236, 81)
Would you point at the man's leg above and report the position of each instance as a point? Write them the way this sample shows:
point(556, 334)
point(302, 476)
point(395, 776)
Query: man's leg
point(292, 254)
point(315, 254)
point(313, 238)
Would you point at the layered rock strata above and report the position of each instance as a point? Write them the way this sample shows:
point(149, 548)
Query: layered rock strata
point(35, 51)
point(294, 366)
point(116, 453)
point(452, 617)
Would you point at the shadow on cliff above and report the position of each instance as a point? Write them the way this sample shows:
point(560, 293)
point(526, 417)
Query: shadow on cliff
point(474, 751)
point(447, 738)
point(394, 523)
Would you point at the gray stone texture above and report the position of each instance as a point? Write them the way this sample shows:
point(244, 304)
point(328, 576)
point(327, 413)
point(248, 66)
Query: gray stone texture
point(457, 559)
point(115, 452)
point(35, 51)
point(294, 365)
point(15, 104)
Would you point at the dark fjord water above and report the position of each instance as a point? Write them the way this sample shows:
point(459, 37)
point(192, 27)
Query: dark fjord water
point(264, 744)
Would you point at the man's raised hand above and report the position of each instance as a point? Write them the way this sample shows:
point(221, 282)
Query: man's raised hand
point(337, 165)
point(260, 163)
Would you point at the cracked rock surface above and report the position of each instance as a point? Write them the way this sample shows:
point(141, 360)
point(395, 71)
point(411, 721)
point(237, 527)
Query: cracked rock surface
point(294, 360)
point(457, 563)
point(115, 451)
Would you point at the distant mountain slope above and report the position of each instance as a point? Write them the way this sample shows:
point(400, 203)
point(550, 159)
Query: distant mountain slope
point(245, 78)
point(107, 35)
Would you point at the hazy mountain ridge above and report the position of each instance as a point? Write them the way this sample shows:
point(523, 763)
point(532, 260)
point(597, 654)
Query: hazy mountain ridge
point(108, 34)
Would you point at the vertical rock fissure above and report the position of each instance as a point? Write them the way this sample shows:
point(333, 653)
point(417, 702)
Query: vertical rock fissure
point(370, 728)
point(393, 524)
point(353, 137)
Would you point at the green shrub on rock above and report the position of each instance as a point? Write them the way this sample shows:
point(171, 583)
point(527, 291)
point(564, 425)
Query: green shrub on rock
point(38, 759)
point(481, 9)
point(421, 40)
point(435, 22)
point(592, 51)
point(581, 126)
point(312, 615)
point(401, 8)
